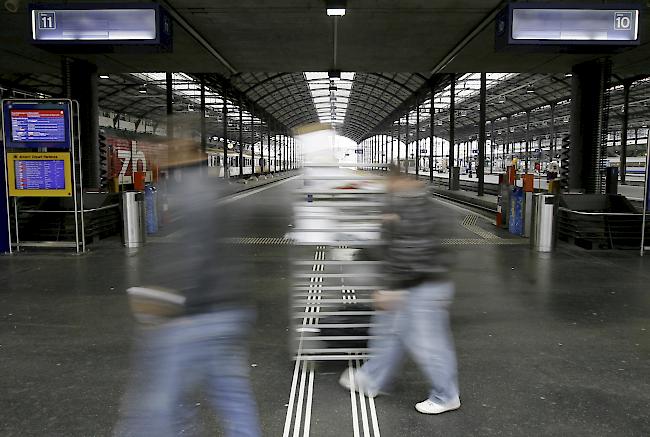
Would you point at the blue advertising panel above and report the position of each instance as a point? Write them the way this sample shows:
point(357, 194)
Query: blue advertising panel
point(516, 224)
point(33, 125)
point(4, 209)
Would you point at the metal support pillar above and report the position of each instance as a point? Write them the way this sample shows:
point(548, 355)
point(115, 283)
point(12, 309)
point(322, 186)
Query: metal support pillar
point(204, 130)
point(268, 145)
point(408, 137)
point(528, 139)
point(432, 114)
point(169, 89)
point(261, 146)
point(224, 109)
point(253, 164)
point(417, 137)
point(241, 140)
point(624, 127)
point(399, 134)
point(492, 141)
point(275, 153)
point(452, 126)
point(392, 148)
point(553, 144)
point(507, 144)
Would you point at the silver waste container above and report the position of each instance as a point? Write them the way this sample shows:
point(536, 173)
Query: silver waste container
point(544, 224)
point(133, 219)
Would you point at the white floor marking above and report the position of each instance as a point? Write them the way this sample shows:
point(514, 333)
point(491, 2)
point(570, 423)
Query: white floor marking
point(373, 415)
point(306, 368)
point(362, 407)
point(310, 394)
point(353, 401)
point(301, 395)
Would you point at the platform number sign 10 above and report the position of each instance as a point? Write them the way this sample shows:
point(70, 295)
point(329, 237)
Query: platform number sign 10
point(623, 20)
point(46, 20)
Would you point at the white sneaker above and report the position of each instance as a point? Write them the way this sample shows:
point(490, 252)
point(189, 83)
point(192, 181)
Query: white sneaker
point(430, 407)
point(345, 382)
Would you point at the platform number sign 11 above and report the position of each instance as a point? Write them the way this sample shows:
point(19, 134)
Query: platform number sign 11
point(47, 20)
point(623, 20)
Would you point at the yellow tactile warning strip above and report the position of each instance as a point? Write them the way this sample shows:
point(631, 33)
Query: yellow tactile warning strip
point(278, 241)
point(471, 224)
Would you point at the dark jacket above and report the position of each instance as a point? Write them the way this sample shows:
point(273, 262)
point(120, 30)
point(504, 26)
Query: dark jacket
point(413, 252)
point(197, 257)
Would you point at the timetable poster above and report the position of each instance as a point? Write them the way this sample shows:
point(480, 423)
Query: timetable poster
point(39, 174)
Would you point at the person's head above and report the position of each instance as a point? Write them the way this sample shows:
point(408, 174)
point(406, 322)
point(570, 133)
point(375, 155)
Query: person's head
point(398, 181)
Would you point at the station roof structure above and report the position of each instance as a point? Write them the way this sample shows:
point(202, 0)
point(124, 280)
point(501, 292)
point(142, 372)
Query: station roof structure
point(274, 56)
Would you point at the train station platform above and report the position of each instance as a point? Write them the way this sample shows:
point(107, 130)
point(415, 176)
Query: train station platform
point(547, 345)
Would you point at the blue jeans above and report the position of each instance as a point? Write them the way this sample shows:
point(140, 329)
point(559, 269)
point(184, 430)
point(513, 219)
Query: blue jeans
point(419, 326)
point(205, 352)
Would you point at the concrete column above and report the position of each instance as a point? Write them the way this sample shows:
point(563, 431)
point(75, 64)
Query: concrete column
point(588, 124)
point(80, 84)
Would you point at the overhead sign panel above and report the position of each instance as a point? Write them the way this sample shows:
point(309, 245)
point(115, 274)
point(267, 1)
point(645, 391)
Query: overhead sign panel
point(568, 25)
point(100, 24)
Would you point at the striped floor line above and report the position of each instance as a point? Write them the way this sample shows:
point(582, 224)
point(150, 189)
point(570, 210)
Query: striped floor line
point(302, 384)
point(278, 241)
point(483, 242)
point(261, 241)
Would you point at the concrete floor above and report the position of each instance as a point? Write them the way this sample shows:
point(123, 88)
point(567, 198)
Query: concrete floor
point(547, 345)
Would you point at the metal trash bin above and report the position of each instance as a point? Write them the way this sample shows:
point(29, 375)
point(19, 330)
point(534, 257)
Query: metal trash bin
point(133, 219)
point(544, 227)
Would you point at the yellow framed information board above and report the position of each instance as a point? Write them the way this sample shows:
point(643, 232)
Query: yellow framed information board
point(39, 174)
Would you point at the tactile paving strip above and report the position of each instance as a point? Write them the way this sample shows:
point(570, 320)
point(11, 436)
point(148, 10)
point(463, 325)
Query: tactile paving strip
point(272, 241)
point(471, 224)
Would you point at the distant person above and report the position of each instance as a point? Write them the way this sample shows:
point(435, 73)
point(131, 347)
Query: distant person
point(200, 315)
point(413, 314)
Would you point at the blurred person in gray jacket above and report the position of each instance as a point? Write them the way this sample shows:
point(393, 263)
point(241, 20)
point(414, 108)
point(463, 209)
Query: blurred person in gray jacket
point(413, 314)
point(201, 309)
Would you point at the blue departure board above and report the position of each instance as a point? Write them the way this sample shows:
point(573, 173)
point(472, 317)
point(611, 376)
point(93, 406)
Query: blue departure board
point(40, 175)
point(38, 125)
point(35, 124)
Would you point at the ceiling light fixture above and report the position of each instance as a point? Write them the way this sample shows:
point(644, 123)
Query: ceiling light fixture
point(334, 74)
point(103, 76)
point(143, 89)
point(335, 8)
